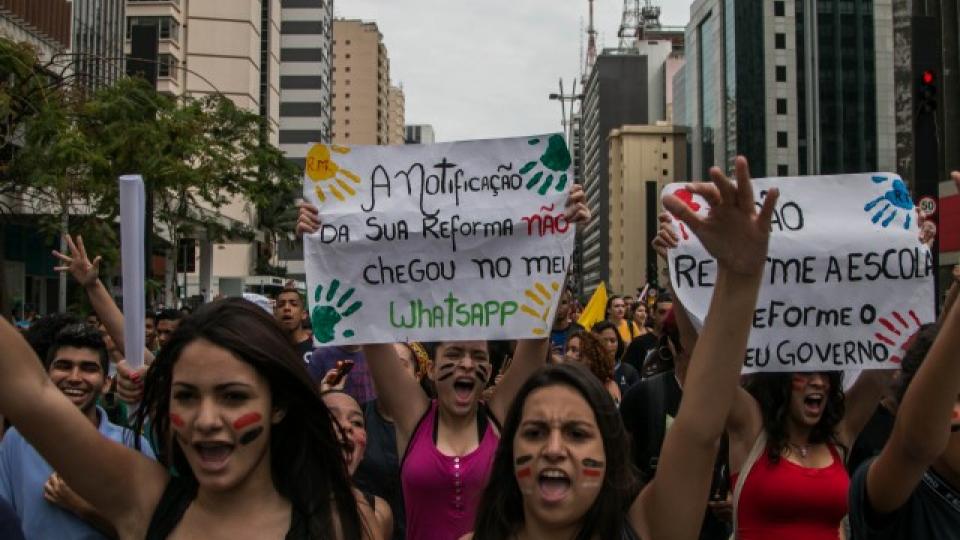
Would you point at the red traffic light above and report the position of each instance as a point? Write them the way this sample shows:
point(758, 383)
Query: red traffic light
point(928, 77)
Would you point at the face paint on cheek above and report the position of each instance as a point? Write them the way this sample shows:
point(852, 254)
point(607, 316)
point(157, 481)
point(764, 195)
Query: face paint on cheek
point(483, 373)
point(799, 382)
point(445, 371)
point(246, 420)
point(592, 472)
point(177, 420)
point(524, 472)
point(251, 435)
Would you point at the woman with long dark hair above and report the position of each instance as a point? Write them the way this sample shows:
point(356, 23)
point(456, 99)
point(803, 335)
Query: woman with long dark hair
point(562, 470)
point(235, 415)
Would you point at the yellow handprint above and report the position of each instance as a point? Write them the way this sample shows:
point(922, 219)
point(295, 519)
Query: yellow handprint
point(544, 300)
point(320, 168)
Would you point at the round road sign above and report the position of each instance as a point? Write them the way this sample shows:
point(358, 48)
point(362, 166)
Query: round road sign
point(927, 205)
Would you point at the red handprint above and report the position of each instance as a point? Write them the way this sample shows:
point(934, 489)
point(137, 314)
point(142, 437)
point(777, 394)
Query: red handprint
point(687, 197)
point(906, 336)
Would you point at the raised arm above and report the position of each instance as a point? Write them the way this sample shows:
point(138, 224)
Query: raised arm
point(673, 504)
point(861, 402)
point(398, 392)
point(531, 355)
point(98, 469)
point(745, 420)
point(922, 428)
point(87, 274)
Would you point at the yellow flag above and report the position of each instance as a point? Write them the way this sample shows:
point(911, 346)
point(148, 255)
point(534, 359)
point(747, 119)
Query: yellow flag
point(596, 308)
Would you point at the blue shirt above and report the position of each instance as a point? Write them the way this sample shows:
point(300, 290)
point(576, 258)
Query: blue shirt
point(22, 476)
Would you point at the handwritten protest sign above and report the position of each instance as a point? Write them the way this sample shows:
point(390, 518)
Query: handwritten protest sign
point(451, 241)
point(846, 284)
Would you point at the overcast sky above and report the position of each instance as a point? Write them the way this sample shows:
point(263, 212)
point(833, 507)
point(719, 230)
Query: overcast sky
point(481, 69)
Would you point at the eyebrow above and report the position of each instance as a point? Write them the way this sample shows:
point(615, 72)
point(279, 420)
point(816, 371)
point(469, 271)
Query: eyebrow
point(222, 386)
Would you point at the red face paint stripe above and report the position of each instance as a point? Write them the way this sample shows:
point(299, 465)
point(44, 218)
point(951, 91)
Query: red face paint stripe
point(176, 420)
point(247, 420)
point(592, 472)
point(524, 472)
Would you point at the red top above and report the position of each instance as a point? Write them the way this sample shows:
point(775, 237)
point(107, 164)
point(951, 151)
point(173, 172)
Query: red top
point(789, 502)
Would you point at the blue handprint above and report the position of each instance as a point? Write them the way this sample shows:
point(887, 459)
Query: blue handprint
point(896, 200)
point(324, 318)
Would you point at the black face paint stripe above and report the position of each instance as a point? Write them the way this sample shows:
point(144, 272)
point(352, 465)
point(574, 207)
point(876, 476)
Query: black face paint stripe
point(483, 373)
point(523, 459)
point(588, 462)
point(251, 435)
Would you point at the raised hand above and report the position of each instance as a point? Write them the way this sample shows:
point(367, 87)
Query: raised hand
point(576, 210)
point(732, 232)
point(129, 383)
point(308, 221)
point(666, 238)
point(77, 263)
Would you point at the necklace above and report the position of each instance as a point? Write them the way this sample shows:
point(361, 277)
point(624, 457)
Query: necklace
point(803, 449)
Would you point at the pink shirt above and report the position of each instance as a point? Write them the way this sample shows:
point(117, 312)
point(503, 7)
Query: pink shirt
point(441, 493)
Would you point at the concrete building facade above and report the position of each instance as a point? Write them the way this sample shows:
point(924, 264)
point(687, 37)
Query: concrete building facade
point(218, 46)
point(643, 159)
point(797, 92)
point(395, 115)
point(306, 87)
point(419, 134)
point(615, 94)
point(361, 83)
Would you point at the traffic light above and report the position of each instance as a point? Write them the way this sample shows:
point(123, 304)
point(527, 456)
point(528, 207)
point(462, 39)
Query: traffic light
point(927, 93)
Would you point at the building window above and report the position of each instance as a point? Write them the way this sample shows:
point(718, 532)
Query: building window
point(780, 40)
point(781, 106)
point(347, 121)
point(167, 27)
point(348, 55)
point(347, 108)
point(665, 156)
point(348, 42)
point(167, 67)
point(781, 73)
point(347, 69)
point(782, 139)
point(666, 172)
point(783, 170)
point(779, 9)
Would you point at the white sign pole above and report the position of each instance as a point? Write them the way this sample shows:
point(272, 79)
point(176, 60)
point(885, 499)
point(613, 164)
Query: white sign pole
point(132, 199)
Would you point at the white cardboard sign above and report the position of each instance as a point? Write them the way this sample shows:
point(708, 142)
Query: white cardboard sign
point(847, 281)
point(452, 241)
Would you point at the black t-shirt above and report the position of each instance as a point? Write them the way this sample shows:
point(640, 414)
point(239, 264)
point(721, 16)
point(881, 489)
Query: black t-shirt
point(932, 511)
point(648, 409)
point(872, 439)
point(637, 350)
point(379, 471)
point(625, 376)
point(305, 348)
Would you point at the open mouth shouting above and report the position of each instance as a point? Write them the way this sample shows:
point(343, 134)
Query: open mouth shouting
point(813, 404)
point(553, 484)
point(213, 456)
point(463, 387)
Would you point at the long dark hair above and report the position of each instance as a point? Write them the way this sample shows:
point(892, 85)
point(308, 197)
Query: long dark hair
point(500, 512)
point(600, 326)
point(773, 390)
point(305, 453)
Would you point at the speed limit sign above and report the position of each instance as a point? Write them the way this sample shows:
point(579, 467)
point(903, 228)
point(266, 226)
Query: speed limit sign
point(927, 205)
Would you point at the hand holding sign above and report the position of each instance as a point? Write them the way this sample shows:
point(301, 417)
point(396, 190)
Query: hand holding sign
point(733, 232)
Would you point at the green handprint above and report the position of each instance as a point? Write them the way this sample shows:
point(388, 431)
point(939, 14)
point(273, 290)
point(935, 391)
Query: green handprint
point(556, 159)
point(326, 317)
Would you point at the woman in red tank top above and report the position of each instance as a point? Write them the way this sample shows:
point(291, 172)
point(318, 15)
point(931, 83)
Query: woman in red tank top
point(789, 434)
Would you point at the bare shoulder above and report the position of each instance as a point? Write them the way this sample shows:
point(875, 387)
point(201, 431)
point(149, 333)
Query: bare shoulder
point(468, 536)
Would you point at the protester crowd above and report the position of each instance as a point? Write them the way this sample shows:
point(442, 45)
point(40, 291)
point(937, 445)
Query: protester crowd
point(638, 427)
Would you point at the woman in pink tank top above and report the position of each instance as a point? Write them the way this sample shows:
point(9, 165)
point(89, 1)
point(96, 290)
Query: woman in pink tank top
point(446, 446)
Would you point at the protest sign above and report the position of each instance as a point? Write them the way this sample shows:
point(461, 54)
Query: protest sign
point(450, 241)
point(846, 284)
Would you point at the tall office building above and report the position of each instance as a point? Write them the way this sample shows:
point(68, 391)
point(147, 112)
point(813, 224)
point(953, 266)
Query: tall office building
point(361, 83)
point(643, 159)
point(615, 94)
point(419, 134)
point(98, 42)
point(395, 113)
point(305, 75)
point(794, 89)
